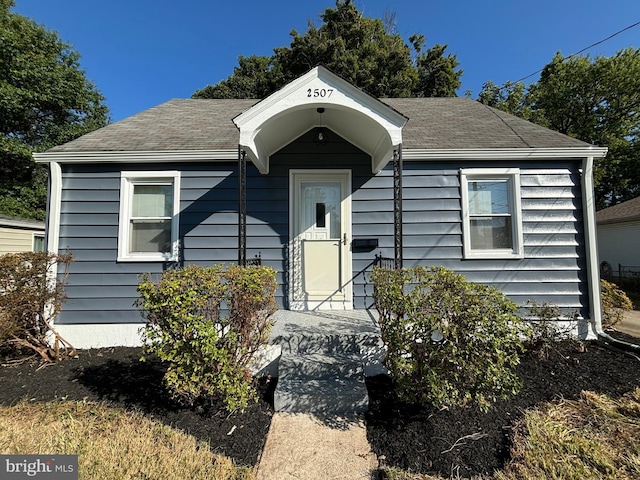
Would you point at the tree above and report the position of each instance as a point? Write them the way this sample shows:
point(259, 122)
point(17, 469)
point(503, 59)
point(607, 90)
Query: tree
point(250, 79)
point(364, 51)
point(437, 74)
point(596, 100)
point(511, 98)
point(45, 100)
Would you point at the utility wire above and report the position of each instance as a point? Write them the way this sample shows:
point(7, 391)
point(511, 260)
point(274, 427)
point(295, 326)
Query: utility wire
point(578, 53)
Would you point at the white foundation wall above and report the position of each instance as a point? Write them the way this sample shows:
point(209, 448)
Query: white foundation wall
point(84, 336)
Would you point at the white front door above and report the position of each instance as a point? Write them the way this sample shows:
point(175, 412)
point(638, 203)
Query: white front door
point(320, 244)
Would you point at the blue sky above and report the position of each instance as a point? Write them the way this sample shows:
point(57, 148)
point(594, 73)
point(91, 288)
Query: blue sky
point(141, 53)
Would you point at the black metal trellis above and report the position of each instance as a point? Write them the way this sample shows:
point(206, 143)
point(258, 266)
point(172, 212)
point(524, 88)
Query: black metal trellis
point(242, 207)
point(397, 207)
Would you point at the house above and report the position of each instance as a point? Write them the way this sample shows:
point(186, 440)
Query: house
point(318, 180)
point(618, 237)
point(20, 235)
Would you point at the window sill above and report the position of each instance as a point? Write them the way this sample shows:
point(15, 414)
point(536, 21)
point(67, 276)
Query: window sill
point(493, 255)
point(147, 258)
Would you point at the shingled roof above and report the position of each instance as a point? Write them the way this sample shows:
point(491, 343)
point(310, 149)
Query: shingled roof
point(623, 212)
point(206, 125)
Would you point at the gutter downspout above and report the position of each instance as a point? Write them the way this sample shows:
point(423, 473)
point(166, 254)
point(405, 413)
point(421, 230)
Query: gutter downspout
point(54, 207)
point(52, 229)
point(593, 270)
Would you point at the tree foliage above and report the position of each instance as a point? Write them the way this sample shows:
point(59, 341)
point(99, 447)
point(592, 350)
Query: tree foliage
point(511, 98)
point(596, 100)
point(364, 51)
point(45, 100)
point(252, 78)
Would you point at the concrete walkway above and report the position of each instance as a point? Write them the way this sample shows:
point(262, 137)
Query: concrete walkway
point(305, 446)
point(315, 446)
point(630, 324)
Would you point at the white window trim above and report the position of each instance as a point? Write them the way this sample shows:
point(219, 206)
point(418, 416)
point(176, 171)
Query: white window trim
point(127, 180)
point(512, 175)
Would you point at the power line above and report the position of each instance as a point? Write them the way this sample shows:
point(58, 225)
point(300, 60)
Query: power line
point(579, 52)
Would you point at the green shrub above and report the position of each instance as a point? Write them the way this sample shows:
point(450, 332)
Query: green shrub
point(448, 341)
point(548, 328)
point(31, 298)
point(208, 354)
point(614, 303)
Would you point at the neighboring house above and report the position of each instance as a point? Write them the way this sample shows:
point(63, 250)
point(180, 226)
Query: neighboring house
point(319, 179)
point(619, 235)
point(20, 235)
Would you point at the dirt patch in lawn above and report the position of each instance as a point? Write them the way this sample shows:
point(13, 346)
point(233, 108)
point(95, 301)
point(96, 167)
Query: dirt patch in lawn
point(117, 376)
point(466, 442)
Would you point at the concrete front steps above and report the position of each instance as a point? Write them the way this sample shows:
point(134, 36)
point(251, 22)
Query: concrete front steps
point(323, 362)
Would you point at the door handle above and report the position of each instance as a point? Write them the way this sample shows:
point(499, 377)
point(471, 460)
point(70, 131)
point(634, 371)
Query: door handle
point(343, 241)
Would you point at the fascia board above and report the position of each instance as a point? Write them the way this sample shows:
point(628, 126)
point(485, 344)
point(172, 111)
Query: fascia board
point(503, 153)
point(137, 156)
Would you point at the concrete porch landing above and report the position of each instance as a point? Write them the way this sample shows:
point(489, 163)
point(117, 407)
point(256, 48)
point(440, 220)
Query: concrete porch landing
point(325, 357)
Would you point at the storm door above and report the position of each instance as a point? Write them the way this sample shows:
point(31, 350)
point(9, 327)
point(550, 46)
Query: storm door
point(321, 228)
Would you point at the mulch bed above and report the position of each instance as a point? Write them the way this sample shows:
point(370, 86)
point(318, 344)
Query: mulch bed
point(453, 441)
point(466, 442)
point(116, 375)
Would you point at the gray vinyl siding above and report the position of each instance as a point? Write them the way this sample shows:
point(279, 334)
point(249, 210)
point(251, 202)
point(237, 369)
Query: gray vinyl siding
point(102, 290)
point(553, 268)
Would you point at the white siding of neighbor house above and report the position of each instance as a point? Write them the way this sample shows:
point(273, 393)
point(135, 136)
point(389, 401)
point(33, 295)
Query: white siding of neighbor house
point(15, 240)
point(619, 243)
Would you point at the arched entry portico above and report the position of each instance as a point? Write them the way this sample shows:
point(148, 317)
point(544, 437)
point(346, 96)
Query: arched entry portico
point(319, 216)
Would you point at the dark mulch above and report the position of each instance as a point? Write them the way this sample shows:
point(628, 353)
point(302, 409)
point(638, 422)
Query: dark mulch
point(426, 440)
point(116, 375)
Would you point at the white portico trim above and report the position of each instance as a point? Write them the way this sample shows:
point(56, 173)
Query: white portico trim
point(320, 98)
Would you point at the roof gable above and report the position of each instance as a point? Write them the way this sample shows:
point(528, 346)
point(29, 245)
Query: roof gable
point(320, 98)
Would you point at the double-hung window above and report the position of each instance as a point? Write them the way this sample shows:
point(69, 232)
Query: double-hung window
point(149, 207)
point(491, 213)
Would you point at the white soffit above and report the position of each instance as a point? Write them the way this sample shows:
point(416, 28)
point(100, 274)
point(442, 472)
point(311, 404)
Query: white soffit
point(286, 114)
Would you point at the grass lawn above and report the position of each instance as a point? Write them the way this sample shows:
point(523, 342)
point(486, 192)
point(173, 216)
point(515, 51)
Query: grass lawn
point(111, 443)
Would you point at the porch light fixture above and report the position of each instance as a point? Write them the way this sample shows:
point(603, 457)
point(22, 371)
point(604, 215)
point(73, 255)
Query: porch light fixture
point(320, 134)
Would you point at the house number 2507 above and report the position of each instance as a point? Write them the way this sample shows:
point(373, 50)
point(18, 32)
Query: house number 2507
point(319, 92)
